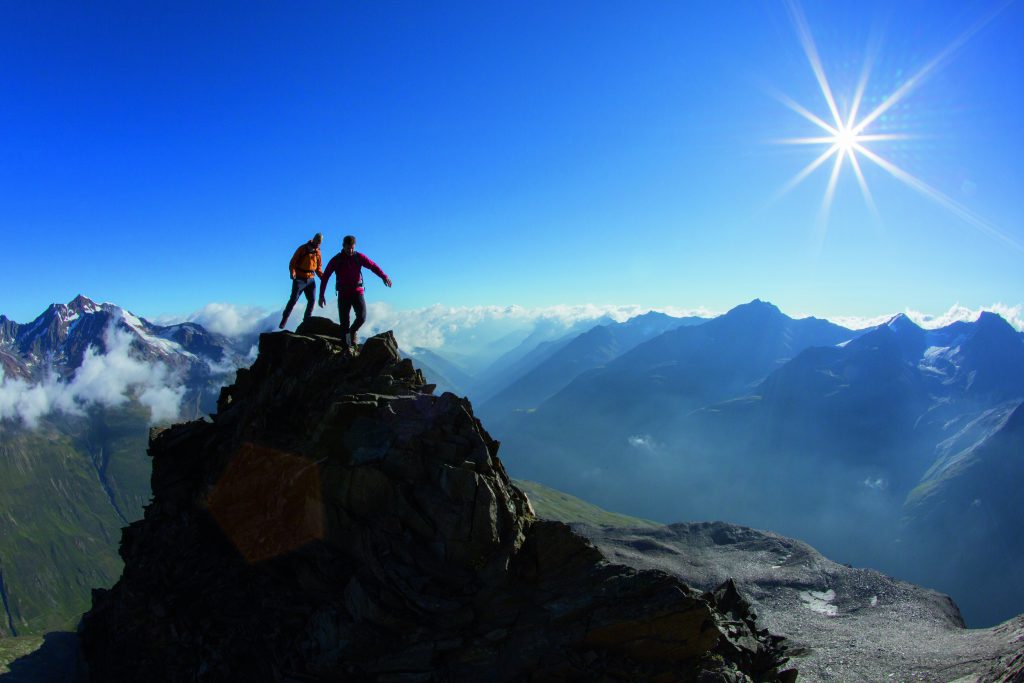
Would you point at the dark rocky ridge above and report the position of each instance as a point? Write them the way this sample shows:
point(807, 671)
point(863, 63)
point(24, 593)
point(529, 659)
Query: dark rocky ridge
point(336, 521)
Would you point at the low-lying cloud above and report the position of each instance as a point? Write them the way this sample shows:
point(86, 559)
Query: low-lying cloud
point(488, 330)
point(431, 327)
point(1012, 314)
point(228, 319)
point(930, 321)
point(108, 379)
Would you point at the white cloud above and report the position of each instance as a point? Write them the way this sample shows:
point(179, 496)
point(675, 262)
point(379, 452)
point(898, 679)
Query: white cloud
point(465, 329)
point(108, 379)
point(228, 319)
point(930, 321)
point(957, 313)
point(854, 322)
point(642, 442)
point(878, 484)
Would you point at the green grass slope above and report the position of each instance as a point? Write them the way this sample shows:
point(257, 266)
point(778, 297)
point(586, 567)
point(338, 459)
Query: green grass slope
point(15, 648)
point(550, 503)
point(66, 489)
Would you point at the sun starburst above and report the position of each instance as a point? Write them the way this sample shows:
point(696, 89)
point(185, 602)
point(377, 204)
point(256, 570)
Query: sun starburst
point(847, 137)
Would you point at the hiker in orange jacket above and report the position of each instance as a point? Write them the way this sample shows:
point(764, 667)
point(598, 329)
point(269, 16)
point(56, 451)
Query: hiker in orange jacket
point(348, 264)
point(304, 265)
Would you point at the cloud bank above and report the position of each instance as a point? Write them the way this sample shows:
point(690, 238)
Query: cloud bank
point(228, 319)
point(929, 321)
point(432, 327)
point(109, 379)
point(491, 329)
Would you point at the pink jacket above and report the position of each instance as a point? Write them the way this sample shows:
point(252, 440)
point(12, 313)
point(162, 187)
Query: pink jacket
point(349, 271)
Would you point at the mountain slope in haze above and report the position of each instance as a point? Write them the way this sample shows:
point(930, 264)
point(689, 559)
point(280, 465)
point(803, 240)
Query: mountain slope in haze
point(966, 516)
point(446, 375)
point(900, 425)
point(576, 439)
point(691, 366)
point(547, 337)
point(591, 349)
point(822, 441)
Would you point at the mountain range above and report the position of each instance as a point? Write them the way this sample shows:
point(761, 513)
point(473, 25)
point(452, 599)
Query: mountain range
point(879, 446)
point(884, 447)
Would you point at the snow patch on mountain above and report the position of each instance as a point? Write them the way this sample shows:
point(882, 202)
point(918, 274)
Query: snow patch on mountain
point(110, 378)
point(820, 602)
point(161, 345)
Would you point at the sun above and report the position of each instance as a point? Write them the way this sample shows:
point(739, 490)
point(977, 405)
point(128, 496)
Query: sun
point(845, 135)
point(846, 138)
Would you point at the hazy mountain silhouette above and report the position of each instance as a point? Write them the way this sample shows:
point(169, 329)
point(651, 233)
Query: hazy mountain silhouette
point(565, 360)
point(819, 432)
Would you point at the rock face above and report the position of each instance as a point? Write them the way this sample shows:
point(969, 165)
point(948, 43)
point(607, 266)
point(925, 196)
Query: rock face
point(336, 521)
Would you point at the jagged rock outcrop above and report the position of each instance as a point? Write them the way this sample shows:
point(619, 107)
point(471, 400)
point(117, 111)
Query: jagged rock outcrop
point(336, 521)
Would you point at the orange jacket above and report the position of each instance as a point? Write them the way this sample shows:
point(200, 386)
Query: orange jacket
point(306, 261)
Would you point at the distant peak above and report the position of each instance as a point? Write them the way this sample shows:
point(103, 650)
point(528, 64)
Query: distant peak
point(756, 307)
point(649, 315)
point(83, 304)
point(991, 318)
point(901, 321)
point(989, 322)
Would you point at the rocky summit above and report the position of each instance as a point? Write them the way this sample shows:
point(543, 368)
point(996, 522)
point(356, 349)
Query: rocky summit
point(337, 521)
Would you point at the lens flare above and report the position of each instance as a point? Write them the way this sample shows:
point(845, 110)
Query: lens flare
point(848, 137)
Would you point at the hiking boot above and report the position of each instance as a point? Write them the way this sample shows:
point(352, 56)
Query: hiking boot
point(352, 341)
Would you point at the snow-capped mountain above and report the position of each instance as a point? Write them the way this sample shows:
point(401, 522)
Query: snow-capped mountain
point(55, 345)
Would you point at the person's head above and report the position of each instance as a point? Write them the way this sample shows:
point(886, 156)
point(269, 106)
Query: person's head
point(348, 245)
point(317, 239)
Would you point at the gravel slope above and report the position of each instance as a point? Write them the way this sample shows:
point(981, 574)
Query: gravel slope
point(844, 624)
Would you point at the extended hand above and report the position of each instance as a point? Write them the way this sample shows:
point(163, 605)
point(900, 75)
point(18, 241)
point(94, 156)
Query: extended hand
point(322, 302)
point(387, 281)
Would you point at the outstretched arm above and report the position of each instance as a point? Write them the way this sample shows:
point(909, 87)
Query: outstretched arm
point(367, 263)
point(324, 279)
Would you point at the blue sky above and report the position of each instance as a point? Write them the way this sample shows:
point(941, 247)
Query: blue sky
point(164, 155)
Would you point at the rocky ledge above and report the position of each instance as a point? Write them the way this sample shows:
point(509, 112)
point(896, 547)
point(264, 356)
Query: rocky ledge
point(337, 521)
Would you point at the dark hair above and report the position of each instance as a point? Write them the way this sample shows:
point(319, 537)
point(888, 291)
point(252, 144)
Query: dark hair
point(349, 239)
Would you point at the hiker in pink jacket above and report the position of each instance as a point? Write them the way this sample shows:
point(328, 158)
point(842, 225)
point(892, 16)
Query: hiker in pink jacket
point(348, 264)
